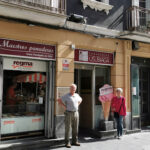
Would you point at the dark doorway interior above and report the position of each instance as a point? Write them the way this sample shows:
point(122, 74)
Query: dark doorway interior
point(83, 79)
point(144, 89)
point(145, 95)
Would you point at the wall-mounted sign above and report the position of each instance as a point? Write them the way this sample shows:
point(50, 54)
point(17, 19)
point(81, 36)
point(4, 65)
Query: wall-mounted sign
point(25, 49)
point(133, 90)
point(62, 91)
point(93, 57)
point(65, 64)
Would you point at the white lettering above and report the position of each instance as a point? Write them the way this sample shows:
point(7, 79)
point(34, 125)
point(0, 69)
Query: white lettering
point(14, 46)
point(43, 49)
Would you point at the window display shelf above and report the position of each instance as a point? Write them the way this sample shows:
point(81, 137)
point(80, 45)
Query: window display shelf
point(98, 6)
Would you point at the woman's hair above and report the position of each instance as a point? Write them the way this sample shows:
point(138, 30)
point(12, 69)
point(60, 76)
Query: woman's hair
point(119, 89)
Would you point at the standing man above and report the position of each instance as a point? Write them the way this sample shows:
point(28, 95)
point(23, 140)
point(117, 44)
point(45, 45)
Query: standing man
point(71, 102)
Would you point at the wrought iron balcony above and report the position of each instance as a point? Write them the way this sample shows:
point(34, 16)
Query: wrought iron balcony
point(55, 6)
point(138, 19)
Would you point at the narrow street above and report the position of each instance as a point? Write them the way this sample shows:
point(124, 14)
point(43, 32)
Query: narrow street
point(137, 141)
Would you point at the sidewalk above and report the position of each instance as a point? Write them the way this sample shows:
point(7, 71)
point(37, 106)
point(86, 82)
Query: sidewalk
point(137, 141)
point(29, 143)
point(43, 143)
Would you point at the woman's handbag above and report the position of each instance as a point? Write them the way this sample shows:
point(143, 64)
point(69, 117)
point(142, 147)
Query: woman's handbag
point(116, 114)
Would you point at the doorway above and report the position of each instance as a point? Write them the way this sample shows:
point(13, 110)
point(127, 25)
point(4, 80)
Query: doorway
point(84, 81)
point(89, 79)
point(140, 74)
point(145, 95)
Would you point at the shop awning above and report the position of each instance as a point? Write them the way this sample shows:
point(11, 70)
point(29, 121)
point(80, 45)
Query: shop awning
point(35, 77)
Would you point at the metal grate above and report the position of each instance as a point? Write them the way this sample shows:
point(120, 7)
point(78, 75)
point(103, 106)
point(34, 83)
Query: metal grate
point(138, 19)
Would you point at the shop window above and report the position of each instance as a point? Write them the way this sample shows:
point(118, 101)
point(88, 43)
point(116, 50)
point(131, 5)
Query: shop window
point(23, 102)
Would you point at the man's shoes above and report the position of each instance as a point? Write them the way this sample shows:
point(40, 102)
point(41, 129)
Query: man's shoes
point(68, 145)
point(76, 144)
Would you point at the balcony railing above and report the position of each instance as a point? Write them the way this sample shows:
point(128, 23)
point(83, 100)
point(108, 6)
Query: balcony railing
point(138, 19)
point(55, 6)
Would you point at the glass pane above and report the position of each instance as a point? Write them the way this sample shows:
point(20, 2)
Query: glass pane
point(102, 77)
point(135, 86)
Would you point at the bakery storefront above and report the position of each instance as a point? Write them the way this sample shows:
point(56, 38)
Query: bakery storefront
point(92, 71)
point(26, 88)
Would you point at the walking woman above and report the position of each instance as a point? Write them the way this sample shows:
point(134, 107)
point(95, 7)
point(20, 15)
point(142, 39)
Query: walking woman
point(118, 106)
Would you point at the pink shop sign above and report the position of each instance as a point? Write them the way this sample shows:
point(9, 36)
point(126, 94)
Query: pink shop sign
point(26, 49)
point(94, 57)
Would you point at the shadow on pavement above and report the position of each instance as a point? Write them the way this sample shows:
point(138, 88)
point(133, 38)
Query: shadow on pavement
point(84, 137)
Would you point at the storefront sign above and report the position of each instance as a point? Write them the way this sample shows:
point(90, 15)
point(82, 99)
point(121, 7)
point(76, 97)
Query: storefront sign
point(93, 57)
point(24, 64)
point(65, 64)
point(106, 93)
point(25, 49)
point(17, 64)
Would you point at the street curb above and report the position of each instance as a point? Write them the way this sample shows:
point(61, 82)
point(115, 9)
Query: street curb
point(133, 131)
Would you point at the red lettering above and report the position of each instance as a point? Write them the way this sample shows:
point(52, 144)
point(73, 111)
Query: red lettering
point(9, 122)
point(36, 120)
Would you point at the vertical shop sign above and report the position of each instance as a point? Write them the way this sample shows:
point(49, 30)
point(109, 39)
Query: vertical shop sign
point(26, 49)
point(93, 57)
point(65, 64)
